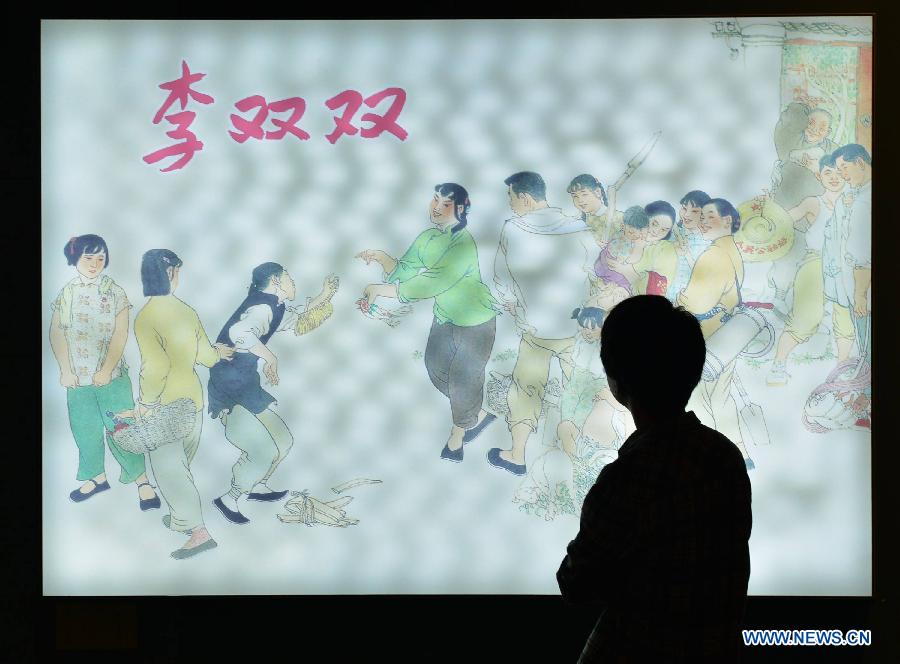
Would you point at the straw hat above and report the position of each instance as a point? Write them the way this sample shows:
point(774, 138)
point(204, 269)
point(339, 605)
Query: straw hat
point(766, 232)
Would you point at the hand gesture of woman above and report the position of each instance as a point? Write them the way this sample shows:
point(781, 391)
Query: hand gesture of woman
point(224, 351)
point(387, 262)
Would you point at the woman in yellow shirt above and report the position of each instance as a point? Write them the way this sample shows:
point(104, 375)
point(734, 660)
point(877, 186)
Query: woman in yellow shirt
point(172, 340)
point(659, 262)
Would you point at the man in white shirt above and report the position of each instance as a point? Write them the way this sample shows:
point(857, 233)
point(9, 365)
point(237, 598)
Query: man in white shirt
point(847, 256)
point(811, 218)
point(540, 273)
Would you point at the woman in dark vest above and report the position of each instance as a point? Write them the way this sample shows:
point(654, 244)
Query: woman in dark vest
point(236, 395)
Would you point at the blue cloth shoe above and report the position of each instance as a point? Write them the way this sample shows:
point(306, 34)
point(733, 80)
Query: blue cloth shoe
point(181, 554)
point(749, 463)
point(268, 497)
point(231, 515)
point(76, 496)
point(494, 458)
point(452, 455)
point(148, 503)
point(475, 431)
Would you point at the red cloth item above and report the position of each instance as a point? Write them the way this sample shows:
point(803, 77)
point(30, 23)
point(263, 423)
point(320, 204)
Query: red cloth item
point(656, 284)
point(759, 305)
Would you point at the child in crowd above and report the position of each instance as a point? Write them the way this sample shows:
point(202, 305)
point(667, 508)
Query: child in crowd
point(593, 424)
point(617, 260)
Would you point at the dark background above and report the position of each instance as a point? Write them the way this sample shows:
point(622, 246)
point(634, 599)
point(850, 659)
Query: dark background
point(385, 628)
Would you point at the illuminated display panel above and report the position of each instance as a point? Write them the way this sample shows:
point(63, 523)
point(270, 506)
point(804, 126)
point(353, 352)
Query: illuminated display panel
point(307, 144)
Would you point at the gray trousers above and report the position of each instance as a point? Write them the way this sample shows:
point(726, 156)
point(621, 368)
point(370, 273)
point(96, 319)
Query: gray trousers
point(264, 441)
point(171, 466)
point(455, 358)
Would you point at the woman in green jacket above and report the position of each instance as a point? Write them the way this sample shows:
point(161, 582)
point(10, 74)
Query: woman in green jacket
point(442, 263)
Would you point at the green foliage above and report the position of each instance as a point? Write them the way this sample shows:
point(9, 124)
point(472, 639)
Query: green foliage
point(808, 358)
point(827, 73)
point(796, 358)
point(819, 55)
point(564, 500)
point(755, 363)
point(549, 506)
point(503, 356)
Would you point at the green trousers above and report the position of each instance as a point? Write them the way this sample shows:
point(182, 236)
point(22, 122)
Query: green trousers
point(171, 466)
point(264, 441)
point(88, 405)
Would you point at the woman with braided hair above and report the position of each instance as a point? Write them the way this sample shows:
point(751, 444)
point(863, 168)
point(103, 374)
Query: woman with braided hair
point(442, 263)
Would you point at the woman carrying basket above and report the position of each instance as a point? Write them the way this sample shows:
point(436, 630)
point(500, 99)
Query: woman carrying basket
point(172, 340)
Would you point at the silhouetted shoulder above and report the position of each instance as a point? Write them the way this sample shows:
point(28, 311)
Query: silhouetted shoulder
point(676, 453)
point(722, 449)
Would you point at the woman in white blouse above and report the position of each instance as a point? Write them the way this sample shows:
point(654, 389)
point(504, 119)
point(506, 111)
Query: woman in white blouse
point(88, 331)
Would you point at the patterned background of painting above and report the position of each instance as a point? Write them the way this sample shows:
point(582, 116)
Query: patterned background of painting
point(486, 99)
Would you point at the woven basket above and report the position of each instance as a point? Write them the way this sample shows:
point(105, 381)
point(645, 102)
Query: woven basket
point(166, 424)
point(310, 320)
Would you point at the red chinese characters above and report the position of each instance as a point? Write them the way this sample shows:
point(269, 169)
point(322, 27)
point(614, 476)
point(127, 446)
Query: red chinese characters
point(185, 149)
point(257, 111)
point(254, 128)
point(343, 125)
point(352, 100)
point(179, 91)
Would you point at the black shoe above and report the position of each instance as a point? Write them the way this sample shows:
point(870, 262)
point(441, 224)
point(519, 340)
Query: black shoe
point(77, 496)
point(231, 515)
point(452, 455)
point(475, 431)
point(494, 458)
point(267, 497)
point(148, 503)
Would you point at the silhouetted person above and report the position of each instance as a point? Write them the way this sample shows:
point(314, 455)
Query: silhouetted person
point(663, 539)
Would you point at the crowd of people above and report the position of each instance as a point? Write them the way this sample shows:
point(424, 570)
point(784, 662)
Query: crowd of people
point(88, 332)
point(557, 276)
point(547, 264)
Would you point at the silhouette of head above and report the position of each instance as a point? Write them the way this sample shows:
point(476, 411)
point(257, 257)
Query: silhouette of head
point(652, 352)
